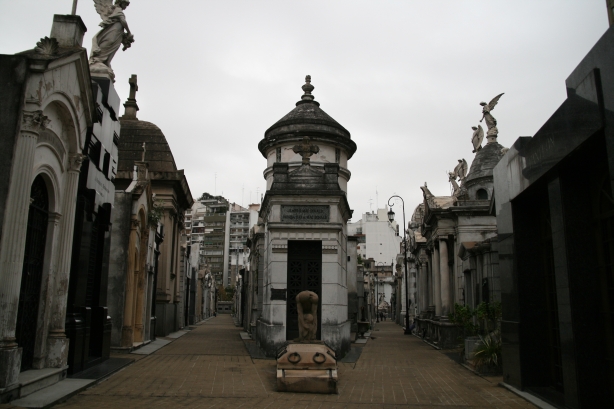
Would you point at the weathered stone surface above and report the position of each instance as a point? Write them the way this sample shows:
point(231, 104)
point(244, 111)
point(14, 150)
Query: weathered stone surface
point(310, 368)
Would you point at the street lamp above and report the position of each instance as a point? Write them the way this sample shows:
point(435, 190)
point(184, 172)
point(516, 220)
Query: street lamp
point(379, 270)
point(376, 301)
point(391, 218)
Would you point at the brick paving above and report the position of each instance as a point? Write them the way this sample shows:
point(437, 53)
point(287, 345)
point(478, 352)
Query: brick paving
point(210, 368)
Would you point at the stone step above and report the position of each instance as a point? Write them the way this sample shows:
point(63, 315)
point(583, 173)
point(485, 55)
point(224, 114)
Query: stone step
point(36, 379)
point(53, 394)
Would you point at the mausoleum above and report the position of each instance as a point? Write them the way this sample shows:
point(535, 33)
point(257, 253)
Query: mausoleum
point(304, 214)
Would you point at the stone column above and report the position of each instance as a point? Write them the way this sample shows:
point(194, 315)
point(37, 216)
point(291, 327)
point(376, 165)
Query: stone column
point(444, 281)
point(127, 327)
point(436, 282)
point(423, 287)
point(57, 342)
point(13, 242)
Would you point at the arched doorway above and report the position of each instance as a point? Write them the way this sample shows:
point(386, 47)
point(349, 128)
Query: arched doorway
point(33, 262)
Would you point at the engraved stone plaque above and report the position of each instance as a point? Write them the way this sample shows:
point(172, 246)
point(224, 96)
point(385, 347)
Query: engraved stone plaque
point(278, 294)
point(305, 213)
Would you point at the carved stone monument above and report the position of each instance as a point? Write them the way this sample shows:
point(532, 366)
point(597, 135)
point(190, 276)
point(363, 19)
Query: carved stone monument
point(477, 137)
point(307, 305)
point(491, 122)
point(107, 41)
point(307, 365)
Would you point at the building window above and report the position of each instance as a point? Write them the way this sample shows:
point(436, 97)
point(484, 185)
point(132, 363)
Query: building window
point(337, 155)
point(481, 194)
point(278, 155)
point(106, 164)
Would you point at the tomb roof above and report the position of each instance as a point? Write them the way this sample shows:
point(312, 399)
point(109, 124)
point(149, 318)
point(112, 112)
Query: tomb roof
point(310, 120)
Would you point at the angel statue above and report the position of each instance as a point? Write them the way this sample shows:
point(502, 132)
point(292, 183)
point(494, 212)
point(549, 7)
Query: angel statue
point(477, 138)
point(460, 170)
point(107, 41)
point(491, 122)
point(455, 188)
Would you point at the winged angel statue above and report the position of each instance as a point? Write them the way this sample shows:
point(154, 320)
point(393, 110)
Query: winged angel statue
point(491, 122)
point(477, 137)
point(107, 41)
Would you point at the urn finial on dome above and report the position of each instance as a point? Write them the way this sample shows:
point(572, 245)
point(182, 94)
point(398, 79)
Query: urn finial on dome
point(307, 88)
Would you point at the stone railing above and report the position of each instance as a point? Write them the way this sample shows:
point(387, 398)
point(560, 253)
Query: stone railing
point(441, 333)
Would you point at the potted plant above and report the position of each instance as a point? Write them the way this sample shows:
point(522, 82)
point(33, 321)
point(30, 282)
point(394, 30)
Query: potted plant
point(463, 317)
point(487, 354)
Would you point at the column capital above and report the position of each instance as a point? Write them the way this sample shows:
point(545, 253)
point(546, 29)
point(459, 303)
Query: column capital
point(54, 218)
point(34, 122)
point(74, 162)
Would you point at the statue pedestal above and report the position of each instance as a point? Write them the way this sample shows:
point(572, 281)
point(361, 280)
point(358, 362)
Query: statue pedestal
point(306, 368)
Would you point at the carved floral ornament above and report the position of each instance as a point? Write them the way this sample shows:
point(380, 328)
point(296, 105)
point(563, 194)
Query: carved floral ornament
point(47, 46)
point(75, 161)
point(34, 121)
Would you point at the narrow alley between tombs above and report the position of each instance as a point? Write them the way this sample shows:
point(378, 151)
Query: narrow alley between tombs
point(210, 367)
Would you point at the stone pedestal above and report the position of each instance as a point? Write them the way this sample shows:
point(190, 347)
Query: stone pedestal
point(306, 368)
point(10, 362)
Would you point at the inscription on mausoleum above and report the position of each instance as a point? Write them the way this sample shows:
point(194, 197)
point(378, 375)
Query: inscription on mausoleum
point(305, 214)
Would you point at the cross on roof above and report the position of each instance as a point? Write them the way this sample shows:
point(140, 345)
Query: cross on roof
point(306, 149)
point(133, 86)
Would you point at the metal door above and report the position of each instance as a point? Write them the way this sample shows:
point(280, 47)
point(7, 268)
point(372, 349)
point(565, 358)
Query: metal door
point(304, 273)
point(29, 296)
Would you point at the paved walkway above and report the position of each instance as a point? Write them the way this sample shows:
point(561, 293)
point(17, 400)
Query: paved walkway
point(209, 367)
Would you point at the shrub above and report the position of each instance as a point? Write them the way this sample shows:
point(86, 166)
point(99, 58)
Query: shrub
point(488, 351)
point(463, 316)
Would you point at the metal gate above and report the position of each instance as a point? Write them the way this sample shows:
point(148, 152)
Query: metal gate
point(29, 296)
point(304, 273)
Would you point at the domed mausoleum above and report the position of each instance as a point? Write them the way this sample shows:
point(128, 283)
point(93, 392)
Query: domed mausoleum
point(302, 240)
point(308, 119)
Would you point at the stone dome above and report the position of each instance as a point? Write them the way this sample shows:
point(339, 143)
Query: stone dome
point(157, 151)
point(484, 162)
point(307, 119)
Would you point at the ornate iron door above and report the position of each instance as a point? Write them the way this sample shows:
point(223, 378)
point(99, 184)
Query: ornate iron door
point(29, 296)
point(304, 273)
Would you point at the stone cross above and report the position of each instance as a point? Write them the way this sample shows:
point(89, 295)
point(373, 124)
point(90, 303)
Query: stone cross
point(133, 86)
point(306, 149)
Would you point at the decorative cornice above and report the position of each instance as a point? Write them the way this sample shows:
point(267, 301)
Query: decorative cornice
point(279, 248)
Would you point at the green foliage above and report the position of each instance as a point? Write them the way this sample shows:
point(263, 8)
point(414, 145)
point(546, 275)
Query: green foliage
point(490, 314)
point(488, 352)
point(463, 316)
point(359, 259)
point(156, 213)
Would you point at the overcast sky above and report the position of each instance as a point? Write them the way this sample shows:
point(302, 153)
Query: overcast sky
point(404, 77)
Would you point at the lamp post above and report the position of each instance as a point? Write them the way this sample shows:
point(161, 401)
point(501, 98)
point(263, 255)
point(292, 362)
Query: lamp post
point(391, 218)
point(376, 301)
point(379, 270)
